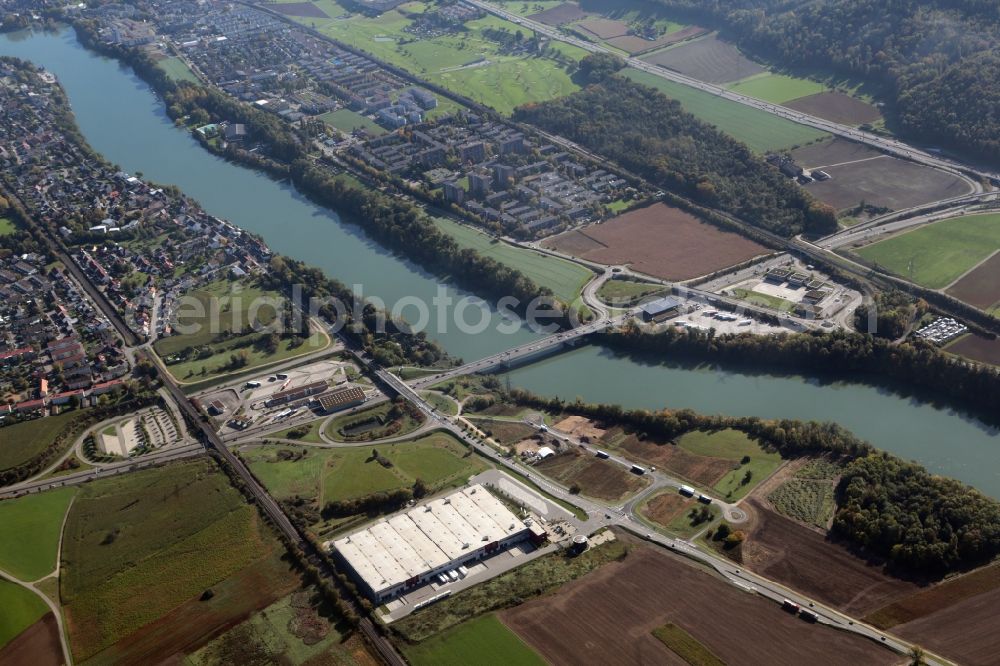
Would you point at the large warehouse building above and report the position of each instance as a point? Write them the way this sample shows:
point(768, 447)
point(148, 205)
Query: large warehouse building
point(409, 549)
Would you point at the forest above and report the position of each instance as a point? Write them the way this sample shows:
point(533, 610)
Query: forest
point(916, 523)
point(937, 62)
point(651, 135)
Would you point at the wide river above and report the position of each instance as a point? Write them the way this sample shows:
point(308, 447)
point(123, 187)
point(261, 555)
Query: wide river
point(123, 120)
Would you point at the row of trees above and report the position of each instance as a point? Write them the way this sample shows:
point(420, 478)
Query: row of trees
point(842, 355)
point(651, 135)
point(936, 61)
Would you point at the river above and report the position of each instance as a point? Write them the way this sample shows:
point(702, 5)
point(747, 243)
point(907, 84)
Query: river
point(123, 120)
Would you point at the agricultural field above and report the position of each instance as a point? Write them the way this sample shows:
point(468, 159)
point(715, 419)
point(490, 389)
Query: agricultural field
point(836, 106)
point(27, 440)
point(484, 641)
point(217, 338)
point(626, 293)
point(38, 645)
point(565, 278)
point(677, 514)
point(468, 63)
point(977, 348)
point(624, 602)
point(7, 226)
point(347, 121)
point(980, 287)
point(601, 479)
point(389, 419)
point(139, 550)
point(29, 533)
point(660, 241)
point(686, 646)
point(777, 88)
point(558, 13)
point(938, 254)
point(803, 559)
point(708, 59)
point(330, 475)
point(759, 130)
point(177, 70)
point(297, 629)
point(19, 609)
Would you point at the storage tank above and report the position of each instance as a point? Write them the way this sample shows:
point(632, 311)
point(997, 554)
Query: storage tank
point(579, 543)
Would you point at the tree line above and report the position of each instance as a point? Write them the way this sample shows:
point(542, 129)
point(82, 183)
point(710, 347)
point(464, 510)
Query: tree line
point(650, 134)
point(935, 61)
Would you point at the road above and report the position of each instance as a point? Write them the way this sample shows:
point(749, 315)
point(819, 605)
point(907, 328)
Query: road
point(890, 146)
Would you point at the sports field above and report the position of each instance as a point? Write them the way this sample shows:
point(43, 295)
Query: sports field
point(347, 121)
point(484, 641)
point(29, 533)
point(19, 609)
point(27, 440)
point(760, 130)
point(777, 88)
point(177, 70)
point(140, 546)
point(564, 278)
point(938, 254)
point(469, 63)
point(330, 475)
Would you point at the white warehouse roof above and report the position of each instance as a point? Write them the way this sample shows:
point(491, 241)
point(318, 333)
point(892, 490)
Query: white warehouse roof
point(427, 537)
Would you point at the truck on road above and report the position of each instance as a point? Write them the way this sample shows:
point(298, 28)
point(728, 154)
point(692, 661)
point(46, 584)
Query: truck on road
point(636, 469)
point(687, 491)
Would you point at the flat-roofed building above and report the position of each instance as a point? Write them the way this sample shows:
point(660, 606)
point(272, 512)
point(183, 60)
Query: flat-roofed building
point(341, 399)
point(409, 549)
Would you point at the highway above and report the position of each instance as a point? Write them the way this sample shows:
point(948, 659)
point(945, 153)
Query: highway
point(887, 145)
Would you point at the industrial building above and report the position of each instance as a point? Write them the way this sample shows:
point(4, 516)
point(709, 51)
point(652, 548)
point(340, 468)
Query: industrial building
point(341, 399)
point(297, 393)
point(660, 309)
point(409, 549)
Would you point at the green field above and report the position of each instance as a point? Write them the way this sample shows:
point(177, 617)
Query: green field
point(221, 328)
point(776, 88)
point(27, 440)
point(938, 254)
point(564, 278)
point(760, 130)
point(484, 641)
point(732, 445)
point(29, 533)
point(686, 646)
point(442, 403)
point(347, 121)
point(140, 545)
point(311, 436)
point(467, 63)
point(177, 70)
point(396, 420)
point(764, 300)
point(19, 609)
point(625, 293)
point(330, 475)
point(7, 226)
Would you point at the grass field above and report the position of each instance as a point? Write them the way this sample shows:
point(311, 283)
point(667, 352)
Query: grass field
point(732, 445)
point(937, 254)
point(311, 436)
point(29, 532)
point(358, 427)
point(348, 473)
point(564, 278)
point(6, 226)
point(467, 63)
point(347, 121)
point(625, 293)
point(27, 440)
point(760, 130)
point(219, 327)
point(138, 546)
point(776, 88)
point(440, 402)
point(484, 641)
point(765, 300)
point(177, 70)
point(19, 609)
point(686, 646)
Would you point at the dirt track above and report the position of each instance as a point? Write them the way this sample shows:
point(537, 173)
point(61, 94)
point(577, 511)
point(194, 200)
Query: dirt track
point(783, 550)
point(660, 241)
point(606, 618)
